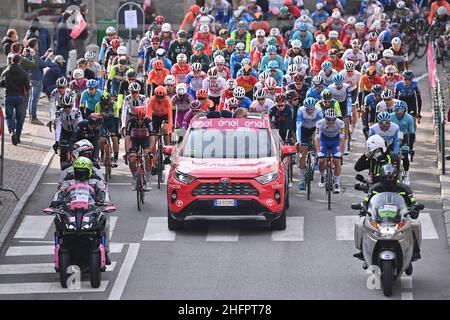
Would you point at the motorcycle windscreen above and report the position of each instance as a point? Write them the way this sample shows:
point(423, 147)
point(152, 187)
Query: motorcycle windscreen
point(387, 207)
point(81, 197)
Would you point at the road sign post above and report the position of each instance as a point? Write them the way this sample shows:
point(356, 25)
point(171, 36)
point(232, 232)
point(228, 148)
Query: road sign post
point(131, 19)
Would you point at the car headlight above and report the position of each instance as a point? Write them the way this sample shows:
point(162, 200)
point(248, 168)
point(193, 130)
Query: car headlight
point(182, 177)
point(265, 179)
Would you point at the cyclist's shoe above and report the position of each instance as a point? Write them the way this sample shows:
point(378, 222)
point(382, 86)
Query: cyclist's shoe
point(301, 186)
point(107, 258)
point(337, 188)
point(154, 171)
point(114, 163)
point(133, 184)
point(167, 160)
point(406, 178)
point(322, 182)
point(148, 185)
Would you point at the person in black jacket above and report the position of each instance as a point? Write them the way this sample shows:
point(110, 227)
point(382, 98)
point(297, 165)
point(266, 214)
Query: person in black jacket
point(17, 84)
point(11, 37)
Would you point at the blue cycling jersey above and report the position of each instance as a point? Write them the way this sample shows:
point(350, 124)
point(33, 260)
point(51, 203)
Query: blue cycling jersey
point(406, 124)
point(406, 91)
point(90, 101)
point(312, 93)
point(371, 102)
point(307, 121)
point(245, 103)
point(390, 136)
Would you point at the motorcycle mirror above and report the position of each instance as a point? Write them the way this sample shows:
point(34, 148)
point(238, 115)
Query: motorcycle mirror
point(49, 211)
point(110, 209)
point(419, 207)
point(360, 178)
point(356, 206)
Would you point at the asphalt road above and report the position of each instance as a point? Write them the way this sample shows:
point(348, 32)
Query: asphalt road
point(312, 259)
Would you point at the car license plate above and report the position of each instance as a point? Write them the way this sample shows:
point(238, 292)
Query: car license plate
point(225, 203)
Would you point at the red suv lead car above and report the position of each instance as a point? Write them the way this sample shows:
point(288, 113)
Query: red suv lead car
point(229, 167)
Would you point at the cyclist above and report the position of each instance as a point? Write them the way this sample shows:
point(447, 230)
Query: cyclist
point(271, 55)
point(372, 61)
point(307, 117)
point(342, 94)
point(260, 102)
point(241, 35)
point(166, 36)
point(370, 107)
point(329, 136)
point(372, 45)
point(179, 46)
point(228, 52)
point(161, 55)
point(299, 87)
point(56, 96)
point(334, 43)
point(408, 91)
point(388, 58)
point(352, 78)
point(336, 62)
point(347, 33)
point(134, 99)
point(181, 102)
point(367, 81)
point(246, 81)
point(387, 104)
point(305, 36)
point(335, 22)
point(214, 84)
point(319, 16)
point(106, 42)
point(121, 52)
point(204, 37)
point(388, 35)
point(89, 129)
point(319, 53)
point(195, 109)
point(156, 76)
point(125, 85)
point(403, 16)
point(239, 94)
point(282, 117)
point(111, 53)
point(391, 77)
point(66, 119)
point(109, 110)
point(194, 80)
point(407, 135)
point(180, 69)
point(227, 93)
point(246, 63)
point(202, 96)
point(117, 75)
point(439, 28)
point(219, 42)
point(327, 73)
point(328, 102)
point(90, 97)
point(271, 88)
point(295, 51)
point(400, 54)
point(219, 62)
point(94, 66)
point(169, 84)
point(316, 89)
point(138, 131)
point(189, 20)
point(150, 53)
point(355, 54)
point(200, 56)
point(387, 130)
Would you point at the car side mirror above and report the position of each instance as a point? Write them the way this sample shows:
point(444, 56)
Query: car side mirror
point(287, 151)
point(168, 150)
point(49, 211)
point(356, 206)
point(360, 178)
point(110, 209)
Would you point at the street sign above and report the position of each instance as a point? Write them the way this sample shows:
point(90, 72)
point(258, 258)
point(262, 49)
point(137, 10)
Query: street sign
point(131, 19)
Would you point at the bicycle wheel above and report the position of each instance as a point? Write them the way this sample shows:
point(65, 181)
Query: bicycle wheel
point(411, 52)
point(139, 187)
point(108, 164)
point(421, 47)
point(160, 166)
point(329, 183)
point(291, 169)
point(308, 176)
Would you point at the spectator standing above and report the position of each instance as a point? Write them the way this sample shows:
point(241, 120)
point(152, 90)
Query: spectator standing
point(17, 84)
point(63, 39)
point(36, 30)
point(54, 71)
point(79, 43)
point(11, 37)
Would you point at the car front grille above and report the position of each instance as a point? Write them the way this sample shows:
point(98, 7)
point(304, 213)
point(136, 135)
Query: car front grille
point(218, 189)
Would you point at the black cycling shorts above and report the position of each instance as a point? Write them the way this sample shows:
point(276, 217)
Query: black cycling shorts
point(344, 109)
point(139, 142)
point(157, 122)
point(307, 135)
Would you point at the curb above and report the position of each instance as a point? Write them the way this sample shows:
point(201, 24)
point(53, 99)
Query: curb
point(24, 198)
point(445, 193)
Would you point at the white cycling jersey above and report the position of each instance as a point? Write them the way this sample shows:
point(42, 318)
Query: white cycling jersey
point(359, 58)
point(306, 120)
point(56, 101)
point(214, 87)
point(129, 104)
point(353, 80)
point(67, 121)
point(332, 131)
point(340, 95)
point(327, 80)
point(256, 106)
point(381, 106)
point(389, 135)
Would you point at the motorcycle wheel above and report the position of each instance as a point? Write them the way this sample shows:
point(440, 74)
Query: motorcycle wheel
point(387, 276)
point(64, 263)
point(95, 266)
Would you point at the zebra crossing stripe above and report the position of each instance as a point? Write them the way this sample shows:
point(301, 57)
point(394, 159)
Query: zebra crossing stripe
point(345, 227)
point(294, 230)
point(16, 251)
point(428, 230)
point(157, 230)
point(36, 268)
point(112, 222)
point(47, 287)
point(34, 227)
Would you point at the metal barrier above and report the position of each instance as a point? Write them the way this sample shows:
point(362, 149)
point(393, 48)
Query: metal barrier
point(439, 119)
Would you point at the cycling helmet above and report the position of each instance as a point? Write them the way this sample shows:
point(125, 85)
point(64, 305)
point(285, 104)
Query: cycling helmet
point(140, 112)
point(371, 71)
point(377, 89)
point(166, 27)
point(160, 52)
point(90, 55)
point(92, 83)
point(110, 31)
point(181, 57)
point(375, 142)
point(272, 64)
point(360, 26)
point(155, 40)
point(217, 53)
point(372, 35)
point(95, 119)
point(232, 104)
point(317, 81)
point(181, 89)
point(351, 20)
point(78, 74)
point(199, 46)
point(298, 60)
point(220, 60)
point(326, 95)
point(284, 10)
point(372, 56)
point(303, 27)
point(239, 92)
point(383, 116)
point(158, 64)
point(246, 70)
point(115, 43)
point(320, 38)
point(240, 46)
point(333, 34)
point(408, 74)
point(122, 50)
point(274, 32)
point(319, 6)
point(195, 9)
point(204, 10)
point(82, 148)
point(280, 98)
point(400, 106)
point(134, 87)
point(309, 103)
point(67, 100)
point(401, 5)
point(230, 42)
point(204, 28)
point(159, 19)
point(231, 84)
point(326, 65)
point(260, 33)
point(169, 80)
point(291, 94)
point(202, 94)
point(330, 114)
point(387, 94)
point(213, 73)
point(161, 91)
point(388, 53)
point(396, 41)
point(441, 11)
point(61, 82)
point(298, 77)
point(195, 105)
point(338, 79)
point(260, 94)
point(390, 69)
point(349, 65)
point(296, 44)
point(245, 62)
point(105, 99)
point(355, 43)
point(196, 66)
point(122, 61)
point(82, 168)
point(336, 15)
point(292, 69)
point(272, 41)
point(271, 49)
point(271, 83)
point(263, 76)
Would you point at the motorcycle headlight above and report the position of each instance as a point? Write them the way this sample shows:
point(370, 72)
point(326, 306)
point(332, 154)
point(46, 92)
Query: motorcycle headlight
point(182, 177)
point(265, 179)
point(387, 231)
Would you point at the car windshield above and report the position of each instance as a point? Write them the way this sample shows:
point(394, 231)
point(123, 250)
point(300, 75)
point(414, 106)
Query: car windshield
point(387, 207)
point(236, 143)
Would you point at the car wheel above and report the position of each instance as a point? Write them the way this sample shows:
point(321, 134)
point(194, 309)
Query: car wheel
point(286, 201)
point(172, 223)
point(280, 223)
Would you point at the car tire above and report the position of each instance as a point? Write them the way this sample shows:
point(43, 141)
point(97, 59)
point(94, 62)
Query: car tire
point(280, 222)
point(172, 223)
point(286, 201)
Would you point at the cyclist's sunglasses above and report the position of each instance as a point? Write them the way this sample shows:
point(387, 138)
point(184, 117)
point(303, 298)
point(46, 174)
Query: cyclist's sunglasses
point(330, 119)
point(327, 101)
point(68, 106)
point(134, 92)
point(384, 123)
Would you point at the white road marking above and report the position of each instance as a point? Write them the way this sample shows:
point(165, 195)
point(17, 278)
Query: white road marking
point(421, 77)
point(124, 273)
point(407, 296)
point(36, 268)
point(112, 223)
point(406, 282)
point(219, 232)
point(428, 230)
point(157, 230)
point(47, 287)
point(15, 251)
point(34, 227)
point(36, 241)
point(345, 226)
point(294, 230)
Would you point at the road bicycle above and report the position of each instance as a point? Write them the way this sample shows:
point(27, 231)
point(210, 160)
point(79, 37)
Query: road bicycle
point(309, 170)
point(159, 155)
point(329, 179)
point(107, 156)
point(140, 178)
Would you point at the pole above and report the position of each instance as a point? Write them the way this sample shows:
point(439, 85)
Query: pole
point(2, 157)
point(129, 35)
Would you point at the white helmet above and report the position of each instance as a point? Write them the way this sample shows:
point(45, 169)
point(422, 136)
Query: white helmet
point(122, 50)
point(333, 34)
point(110, 30)
point(204, 20)
point(263, 76)
point(401, 5)
point(78, 74)
point(360, 25)
point(181, 89)
point(375, 142)
point(336, 15)
point(298, 60)
point(296, 43)
point(160, 52)
point(219, 59)
point(245, 62)
point(441, 11)
point(231, 84)
point(372, 56)
point(166, 27)
point(351, 20)
point(204, 28)
point(181, 57)
point(260, 33)
point(292, 68)
point(90, 55)
point(274, 32)
point(320, 38)
point(396, 41)
point(169, 80)
point(390, 69)
point(388, 53)
point(239, 92)
point(355, 43)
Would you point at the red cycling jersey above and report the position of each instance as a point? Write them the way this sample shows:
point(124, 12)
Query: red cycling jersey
point(179, 72)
